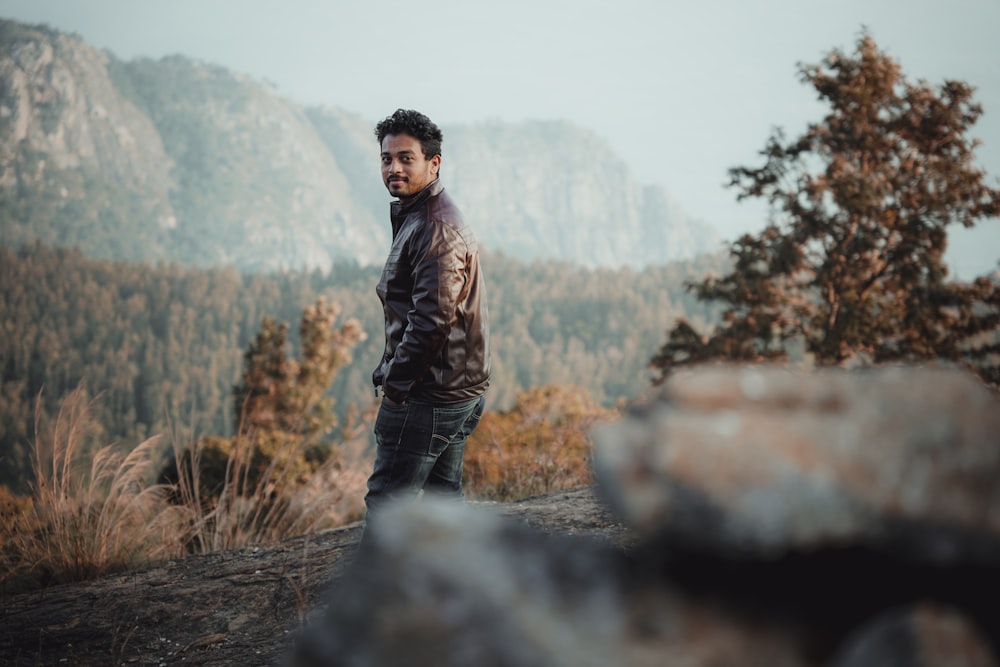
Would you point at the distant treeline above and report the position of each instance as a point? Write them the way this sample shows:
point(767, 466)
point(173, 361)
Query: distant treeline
point(162, 343)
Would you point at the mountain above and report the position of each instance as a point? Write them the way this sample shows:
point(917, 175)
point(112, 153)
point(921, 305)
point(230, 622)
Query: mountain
point(184, 161)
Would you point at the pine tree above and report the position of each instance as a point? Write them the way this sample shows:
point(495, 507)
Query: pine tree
point(283, 412)
point(261, 400)
point(851, 264)
point(325, 350)
point(279, 394)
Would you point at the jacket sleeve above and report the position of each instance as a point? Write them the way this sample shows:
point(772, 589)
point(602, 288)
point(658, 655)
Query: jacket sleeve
point(440, 267)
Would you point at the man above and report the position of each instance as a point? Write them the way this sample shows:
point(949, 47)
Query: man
point(436, 366)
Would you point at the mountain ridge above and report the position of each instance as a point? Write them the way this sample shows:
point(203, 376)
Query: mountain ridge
point(181, 160)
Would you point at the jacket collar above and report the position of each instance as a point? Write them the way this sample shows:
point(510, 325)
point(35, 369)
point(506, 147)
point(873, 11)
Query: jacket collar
point(401, 207)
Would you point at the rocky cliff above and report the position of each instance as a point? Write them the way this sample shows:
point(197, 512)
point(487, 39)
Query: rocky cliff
point(77, 159)
point(181, 160)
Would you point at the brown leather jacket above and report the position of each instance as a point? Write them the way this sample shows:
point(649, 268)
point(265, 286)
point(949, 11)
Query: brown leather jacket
point(437, 343)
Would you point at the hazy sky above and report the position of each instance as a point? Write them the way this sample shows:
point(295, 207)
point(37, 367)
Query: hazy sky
point(681, 90)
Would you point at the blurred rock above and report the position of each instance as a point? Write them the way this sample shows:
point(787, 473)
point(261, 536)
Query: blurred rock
point(761, 461)
point(921, 636)
point(448, 585)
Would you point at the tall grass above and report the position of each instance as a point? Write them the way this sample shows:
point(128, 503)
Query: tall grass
point(270, 508)
point(83, 519)
point(93, 511)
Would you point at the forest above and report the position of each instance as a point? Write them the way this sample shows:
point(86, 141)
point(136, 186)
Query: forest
point(165, 343)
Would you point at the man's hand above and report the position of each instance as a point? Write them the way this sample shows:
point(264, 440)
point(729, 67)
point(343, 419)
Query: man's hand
point(390, 401)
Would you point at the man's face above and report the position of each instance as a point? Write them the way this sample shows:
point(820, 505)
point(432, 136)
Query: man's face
point(405, 170)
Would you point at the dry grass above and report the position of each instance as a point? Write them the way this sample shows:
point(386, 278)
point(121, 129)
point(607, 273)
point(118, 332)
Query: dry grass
point(271, 509)
point(503, 473)
point(82, 520)
point(92, 514)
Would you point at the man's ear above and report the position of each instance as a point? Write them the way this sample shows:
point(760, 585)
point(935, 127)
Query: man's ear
point(436, 164)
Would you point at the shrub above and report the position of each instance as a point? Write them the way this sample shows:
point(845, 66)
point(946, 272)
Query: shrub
point(537, 447)
point(261, 504)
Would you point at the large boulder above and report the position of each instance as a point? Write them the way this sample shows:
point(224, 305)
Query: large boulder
point(761, 461)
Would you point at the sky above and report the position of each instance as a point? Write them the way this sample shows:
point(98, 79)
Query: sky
point(683, 91)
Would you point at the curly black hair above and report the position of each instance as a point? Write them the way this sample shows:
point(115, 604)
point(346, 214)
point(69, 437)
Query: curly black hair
point(415, 124)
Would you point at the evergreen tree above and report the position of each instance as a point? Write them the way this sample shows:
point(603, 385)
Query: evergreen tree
point(278, 394)
point(261, 399)
point(283, 412)
point(325, 350)
point(851, 264)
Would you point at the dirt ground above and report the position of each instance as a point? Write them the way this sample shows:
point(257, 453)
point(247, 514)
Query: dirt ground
point(242, 607)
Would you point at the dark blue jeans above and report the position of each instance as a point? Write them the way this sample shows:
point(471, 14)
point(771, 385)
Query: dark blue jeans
point(420, 447)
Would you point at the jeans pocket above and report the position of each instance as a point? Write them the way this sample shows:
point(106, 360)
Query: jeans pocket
point(437, 444)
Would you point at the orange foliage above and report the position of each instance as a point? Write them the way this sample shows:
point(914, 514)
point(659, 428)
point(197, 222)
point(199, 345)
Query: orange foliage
point(539, 446)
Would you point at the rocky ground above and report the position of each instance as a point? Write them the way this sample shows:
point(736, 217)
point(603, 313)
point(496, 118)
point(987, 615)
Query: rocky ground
point(241, 607)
